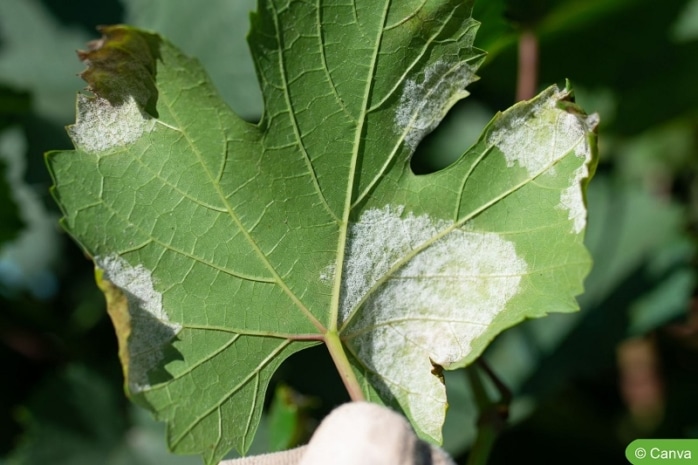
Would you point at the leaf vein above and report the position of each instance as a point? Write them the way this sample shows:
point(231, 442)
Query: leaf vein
point(391, 157)
point(294, 121)
point(325, 67)
point(412, 253)
point(231, 212)
point(169, 247)
point(196, 365)
point(254, 374)
point(351, 178)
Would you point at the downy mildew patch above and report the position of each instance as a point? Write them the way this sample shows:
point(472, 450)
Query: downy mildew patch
point(427, 309)
point(540, 137)
point(101, 126)
point(424, 104)
point(151, 328)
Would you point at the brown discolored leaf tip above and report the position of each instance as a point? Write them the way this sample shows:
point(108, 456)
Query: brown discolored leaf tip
point(117, 307)
point(122, 63)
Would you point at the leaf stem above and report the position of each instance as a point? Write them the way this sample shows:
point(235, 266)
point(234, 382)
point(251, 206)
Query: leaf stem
point(339, 357)
point(493, 413)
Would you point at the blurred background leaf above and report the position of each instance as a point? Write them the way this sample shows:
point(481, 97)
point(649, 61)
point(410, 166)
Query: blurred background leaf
point(13, 105)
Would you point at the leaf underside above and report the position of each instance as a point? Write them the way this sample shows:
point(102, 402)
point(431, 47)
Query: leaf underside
point(224, 247)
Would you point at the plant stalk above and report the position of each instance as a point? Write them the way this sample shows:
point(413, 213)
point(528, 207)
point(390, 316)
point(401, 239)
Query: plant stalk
point(339, 357)
point(493, 413)
point(528, 66)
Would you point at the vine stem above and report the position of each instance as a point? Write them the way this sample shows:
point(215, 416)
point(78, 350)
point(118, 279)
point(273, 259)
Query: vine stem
point(528, 66)
point(493, 413)
point(339, 357)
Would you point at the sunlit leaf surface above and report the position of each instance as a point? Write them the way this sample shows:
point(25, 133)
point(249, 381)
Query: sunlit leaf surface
point(224, 247)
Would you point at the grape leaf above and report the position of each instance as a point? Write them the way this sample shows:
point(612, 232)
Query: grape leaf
point(182, 21)
point(224, 247)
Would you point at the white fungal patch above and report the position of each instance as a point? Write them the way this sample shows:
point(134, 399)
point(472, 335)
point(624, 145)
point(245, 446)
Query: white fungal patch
point(151, 328)
point(424, 104)
point(327, 274)
point(537, 139)
point(101, 126)
point(572, 198)
point(375, 244)
point(431, 308)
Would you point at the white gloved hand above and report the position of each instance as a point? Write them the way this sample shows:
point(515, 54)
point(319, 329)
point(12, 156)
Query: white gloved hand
point(357, 433)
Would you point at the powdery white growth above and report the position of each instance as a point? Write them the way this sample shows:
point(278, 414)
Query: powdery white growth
point(430, 309)
point(327, 274)
point(537, 140)
point(572, 198)
point(150, 325)
point(101, 126)
point(424, 104)
point(375, 244)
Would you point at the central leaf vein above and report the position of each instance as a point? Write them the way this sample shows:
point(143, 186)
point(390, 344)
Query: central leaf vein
point(351, 178)
point(381, 172)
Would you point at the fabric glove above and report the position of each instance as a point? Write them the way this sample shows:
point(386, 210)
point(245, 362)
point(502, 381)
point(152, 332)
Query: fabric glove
point(357, 433)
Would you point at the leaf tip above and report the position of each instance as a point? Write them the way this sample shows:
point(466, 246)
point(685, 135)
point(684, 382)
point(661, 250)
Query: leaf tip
point(121, 64)
point(120, 75)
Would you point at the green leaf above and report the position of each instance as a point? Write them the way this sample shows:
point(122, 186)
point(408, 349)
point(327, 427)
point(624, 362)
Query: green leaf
point(224, 247)
point(288, 422)
point(686, 26)
point(227, 62)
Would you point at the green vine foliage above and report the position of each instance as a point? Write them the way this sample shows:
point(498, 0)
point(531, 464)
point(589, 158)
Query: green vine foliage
point(223, 247)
